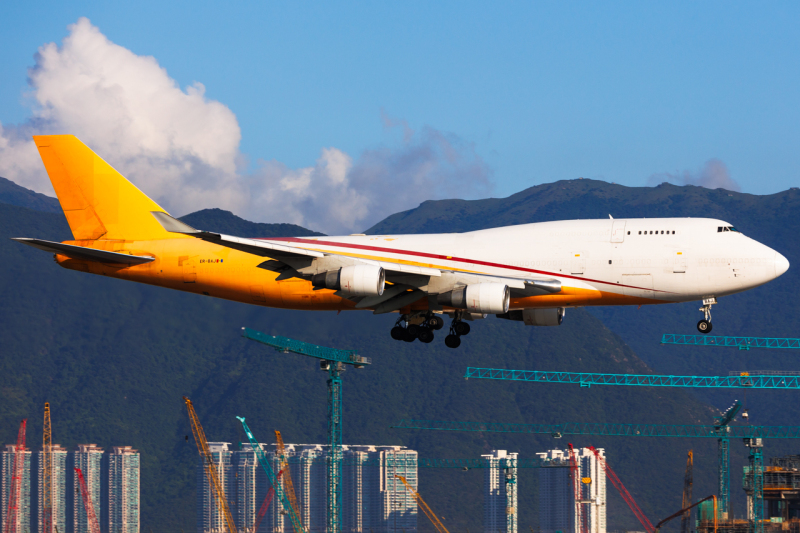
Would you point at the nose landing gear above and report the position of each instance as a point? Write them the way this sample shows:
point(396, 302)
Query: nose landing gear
point(704, 326)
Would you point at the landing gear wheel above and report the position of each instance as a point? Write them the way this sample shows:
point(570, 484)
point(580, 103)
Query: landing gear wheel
point(398, 333)
point(413, 330)
point(461, 328)
point(704, 326)
point(408, 336)
point(425, 335)
point(452, 341)
point(436, 322)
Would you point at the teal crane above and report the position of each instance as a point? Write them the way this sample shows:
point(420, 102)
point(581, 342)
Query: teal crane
point(752, 436)
point(742, 380)
point(333, 361)
point(721, 428)
point(743, 343)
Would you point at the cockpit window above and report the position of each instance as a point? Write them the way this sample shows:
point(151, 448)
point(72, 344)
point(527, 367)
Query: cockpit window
point(732, 228)
point(720, 229)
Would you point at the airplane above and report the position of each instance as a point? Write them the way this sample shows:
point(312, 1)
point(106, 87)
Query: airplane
point(530, 273)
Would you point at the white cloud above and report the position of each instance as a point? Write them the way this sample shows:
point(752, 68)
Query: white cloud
point(182, 149)
point(713, 175)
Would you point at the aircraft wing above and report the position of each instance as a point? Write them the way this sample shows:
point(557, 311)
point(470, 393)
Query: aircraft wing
point(292, 255)
point(79, 252)
point(409, 282)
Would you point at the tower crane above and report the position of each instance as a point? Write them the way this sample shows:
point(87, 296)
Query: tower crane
point(424, 506)
point(686, 501)
point(208, 465)
point(333, 362)
point(273, 479)
point(17, 470)
point(47, 473)
point(288, 486)
point(91, 517)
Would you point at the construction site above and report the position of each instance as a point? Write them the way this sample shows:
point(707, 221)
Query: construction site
point(271, 486)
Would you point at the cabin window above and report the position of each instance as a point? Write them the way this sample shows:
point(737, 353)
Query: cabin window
point(609, 261)
point(662, 232)
point(673, 232)
point(640, 233)
point(629, 233)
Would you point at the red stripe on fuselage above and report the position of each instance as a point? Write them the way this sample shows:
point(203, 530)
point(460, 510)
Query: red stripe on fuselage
point(447, 258)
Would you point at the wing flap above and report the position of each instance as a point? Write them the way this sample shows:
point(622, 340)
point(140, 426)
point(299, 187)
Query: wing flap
point(90, 254)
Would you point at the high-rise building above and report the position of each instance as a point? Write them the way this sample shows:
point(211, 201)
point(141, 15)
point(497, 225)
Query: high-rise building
point(557, 509)
point(209, 519)
point(373, 500)
point(500, 492)
point(123, 490)
point(89, 458)
point(58, 483)
point(22, 520)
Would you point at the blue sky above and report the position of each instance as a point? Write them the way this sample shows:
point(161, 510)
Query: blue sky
point(541, 91)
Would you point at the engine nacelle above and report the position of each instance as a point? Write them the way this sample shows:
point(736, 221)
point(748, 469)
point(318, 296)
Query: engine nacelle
point(537, 317)
point(479, 298)
point(356, 280)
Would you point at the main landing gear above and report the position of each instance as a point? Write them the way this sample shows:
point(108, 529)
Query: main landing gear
point(704, 326)
point(417, 326)
point(458, 329)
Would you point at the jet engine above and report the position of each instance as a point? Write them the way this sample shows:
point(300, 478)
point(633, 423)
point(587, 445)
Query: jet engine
point(536, 317)
point(356, 280)
point(481, 298)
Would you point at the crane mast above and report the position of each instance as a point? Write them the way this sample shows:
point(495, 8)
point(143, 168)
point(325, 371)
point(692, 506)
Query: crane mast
point(17, 470)
point(686, 518)
point(47, 473)
point(91, 517)
point(208, 466)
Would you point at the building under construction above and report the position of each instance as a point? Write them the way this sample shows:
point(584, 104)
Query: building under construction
point(781, 500)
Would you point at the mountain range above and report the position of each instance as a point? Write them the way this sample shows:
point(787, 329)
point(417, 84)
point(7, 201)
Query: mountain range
point(113, 358)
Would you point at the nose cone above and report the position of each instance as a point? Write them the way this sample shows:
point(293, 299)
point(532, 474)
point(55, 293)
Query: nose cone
point(781, 264)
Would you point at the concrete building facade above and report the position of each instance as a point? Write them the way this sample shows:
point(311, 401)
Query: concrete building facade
point(557, 510)
point(89, 458)
point(22, 520)
point(500, 492)
point(124, 490)
point(58, 497)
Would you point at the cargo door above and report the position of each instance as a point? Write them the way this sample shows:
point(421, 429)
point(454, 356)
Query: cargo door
point(618, 231)
point(189, 267)
point(578, 263)
point(679, 262)
point(639, 285)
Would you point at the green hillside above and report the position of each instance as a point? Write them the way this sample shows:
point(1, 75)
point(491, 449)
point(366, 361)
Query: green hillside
point(113, 358)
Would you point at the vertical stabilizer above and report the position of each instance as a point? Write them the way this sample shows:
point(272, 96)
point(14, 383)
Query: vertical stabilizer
point(98, 201)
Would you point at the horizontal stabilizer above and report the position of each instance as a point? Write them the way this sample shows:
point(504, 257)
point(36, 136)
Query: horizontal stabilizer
point(79, 252)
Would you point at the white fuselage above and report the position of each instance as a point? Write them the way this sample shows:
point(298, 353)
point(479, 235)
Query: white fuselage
point(659, 259)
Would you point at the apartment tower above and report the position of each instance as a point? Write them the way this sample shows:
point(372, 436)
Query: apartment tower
point(123, 490)
point(89, 458)
point(500, 492)
point(22, 520)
